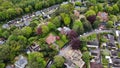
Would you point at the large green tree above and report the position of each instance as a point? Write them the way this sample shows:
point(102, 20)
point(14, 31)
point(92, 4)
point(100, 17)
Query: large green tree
point(59, 61)
point(36, 60)
point(78, 27)
point(26, 31)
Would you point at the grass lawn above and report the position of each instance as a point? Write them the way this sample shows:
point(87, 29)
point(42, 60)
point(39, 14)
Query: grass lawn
point(60, 43)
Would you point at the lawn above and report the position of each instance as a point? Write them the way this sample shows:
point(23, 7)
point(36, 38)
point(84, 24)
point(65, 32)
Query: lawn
point(60, 43)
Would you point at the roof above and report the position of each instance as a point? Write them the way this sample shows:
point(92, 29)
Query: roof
point(114, 53)
point(103, 16)
point(51, 39)
point(95, 65)
point(73, 57)
point(94, 43)
point(95, 52)
point(33, 47)
point(21, 62)
point(64, 30)
point(116, 62)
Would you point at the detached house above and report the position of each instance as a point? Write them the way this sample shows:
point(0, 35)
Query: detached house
point(33, 48)
point(73, 57)
point(93, 44)
point(21, 62)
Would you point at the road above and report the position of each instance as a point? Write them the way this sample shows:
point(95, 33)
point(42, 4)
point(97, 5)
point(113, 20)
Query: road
point(96, 32)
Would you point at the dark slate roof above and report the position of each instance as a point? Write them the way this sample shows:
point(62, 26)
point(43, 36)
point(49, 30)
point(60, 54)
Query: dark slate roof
point(116, 62)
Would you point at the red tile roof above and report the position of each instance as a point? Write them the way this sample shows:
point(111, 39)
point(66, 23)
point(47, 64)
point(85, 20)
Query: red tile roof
point(50, 39)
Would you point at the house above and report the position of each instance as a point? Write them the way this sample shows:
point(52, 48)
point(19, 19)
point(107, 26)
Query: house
point(38, 13)
point(95, 53)
point(6, 26)
point(73, 57)
point(116, 62)
point(114, 54)
point(64, 30)
point(95, 65)
point(34, 47)
point(2, 41)
point(111, 43)
point(51, 39)
point(103, 16)
point(93, 44)
point(21, 62)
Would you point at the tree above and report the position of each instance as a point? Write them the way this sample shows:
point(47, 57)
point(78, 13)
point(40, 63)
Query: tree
point(51, 2)
point(64, 38)
point(22, 41)
point(51, 26)
point(96, 23)
point(75, 44)
point(78, 27)
point(5, 53)
point(59, 61)
point(5, 34)
point(100, 7)
point(38, 5)
point(36, 60)
point(72, 35)
point(90, 13)
point(19, 11)
point(86, 58)
point(115, 8)
point(91, 16)
point(91, 19)
point(27, 10)
point(77, 3)
point(86, 24)
point(11, 12)
point(26, 31)
point(109, 9)
point(57, 21)
point(110, 24)
point(45, 29)
point(2, 65)
point(39, 30)
point(67, 20)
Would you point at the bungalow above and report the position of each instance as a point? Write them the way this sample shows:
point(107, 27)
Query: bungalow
point(34, 47)
point(21, 62)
